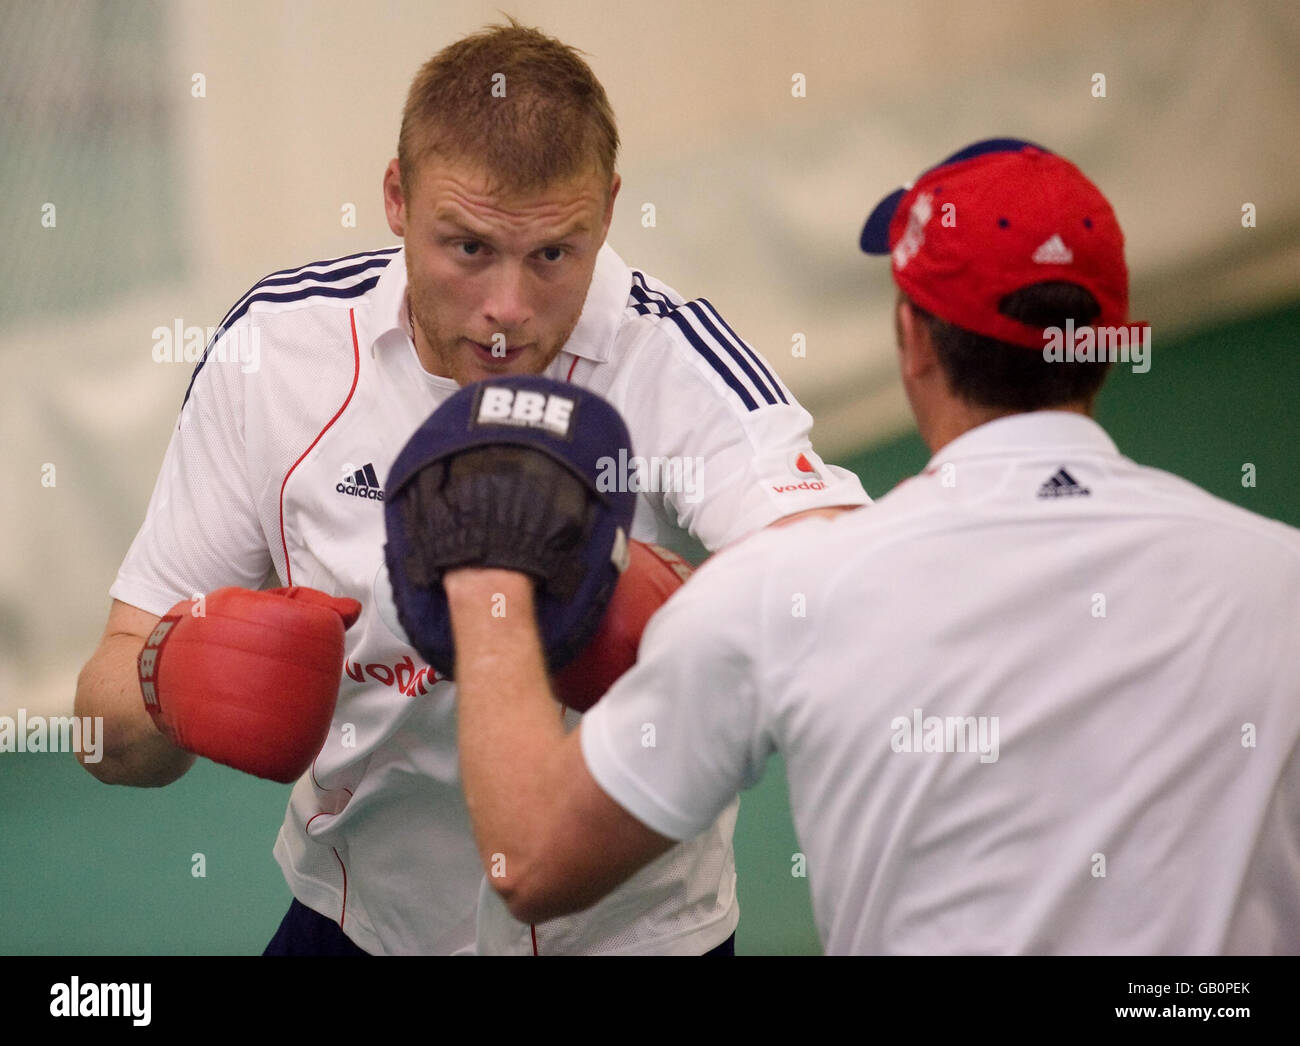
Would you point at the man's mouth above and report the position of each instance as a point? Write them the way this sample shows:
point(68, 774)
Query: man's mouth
point(496, 354)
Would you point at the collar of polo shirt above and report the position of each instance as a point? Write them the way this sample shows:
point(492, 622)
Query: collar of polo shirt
point(1057, 430)
point(592, 338)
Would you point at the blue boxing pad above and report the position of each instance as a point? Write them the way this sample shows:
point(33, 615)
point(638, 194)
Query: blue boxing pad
point(505, 474)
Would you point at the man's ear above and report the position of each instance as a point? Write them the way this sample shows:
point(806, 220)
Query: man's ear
point(614, 187)
point(394, 199)
point(915, 348)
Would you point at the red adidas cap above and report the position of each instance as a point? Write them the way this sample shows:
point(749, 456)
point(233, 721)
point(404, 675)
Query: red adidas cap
point(998, 216)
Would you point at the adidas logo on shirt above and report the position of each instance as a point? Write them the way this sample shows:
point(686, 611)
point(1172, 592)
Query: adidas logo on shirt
point(1062, 485)
point(362, 484)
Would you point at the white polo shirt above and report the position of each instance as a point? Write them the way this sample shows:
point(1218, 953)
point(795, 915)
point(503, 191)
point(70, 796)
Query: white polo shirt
point(276, 465)
point(1037, 699)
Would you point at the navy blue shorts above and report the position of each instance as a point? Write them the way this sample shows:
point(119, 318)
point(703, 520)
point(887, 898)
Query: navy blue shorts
point(306, 932)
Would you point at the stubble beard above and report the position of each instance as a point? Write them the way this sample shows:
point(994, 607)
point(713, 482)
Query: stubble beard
point(447, 354)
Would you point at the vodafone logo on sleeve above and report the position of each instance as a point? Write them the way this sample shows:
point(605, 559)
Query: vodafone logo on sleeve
point(807, 477)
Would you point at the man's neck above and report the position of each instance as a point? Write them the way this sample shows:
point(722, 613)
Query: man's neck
point(422, 351)
point(960, 418)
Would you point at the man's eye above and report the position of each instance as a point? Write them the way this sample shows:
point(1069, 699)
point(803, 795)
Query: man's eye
point(470, 247)
point(552, 254)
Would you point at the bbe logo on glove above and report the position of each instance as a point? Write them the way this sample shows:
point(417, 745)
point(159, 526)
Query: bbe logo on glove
point(148, 663)
point(505, 406)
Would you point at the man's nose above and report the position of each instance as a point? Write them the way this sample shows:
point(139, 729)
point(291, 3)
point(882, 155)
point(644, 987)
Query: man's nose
point(506, 307)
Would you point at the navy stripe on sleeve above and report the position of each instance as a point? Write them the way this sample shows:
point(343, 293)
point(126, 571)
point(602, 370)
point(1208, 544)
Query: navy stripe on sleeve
point(652, 296)
point(744, 346)
point(697, 309)
point(378, 252)
point(300, 294)
point(315, 272)
point(641, 302)
point(729, 356)
point(723, 371)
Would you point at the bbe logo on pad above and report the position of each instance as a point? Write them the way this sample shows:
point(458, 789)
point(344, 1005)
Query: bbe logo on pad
point(534, 410)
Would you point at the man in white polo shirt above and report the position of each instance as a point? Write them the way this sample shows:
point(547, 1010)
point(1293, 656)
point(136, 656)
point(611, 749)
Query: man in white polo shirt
point(1037, 699)
point(503, 202)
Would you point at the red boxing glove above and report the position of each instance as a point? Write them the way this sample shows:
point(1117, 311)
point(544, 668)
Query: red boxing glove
point(652, 575)
point(250, 682)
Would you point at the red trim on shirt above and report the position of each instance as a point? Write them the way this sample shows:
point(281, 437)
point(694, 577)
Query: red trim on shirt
point(344, 912)
point(534, 929)
point(356, 373)
point(569, 376)
point(288, 568)
point(320, 787)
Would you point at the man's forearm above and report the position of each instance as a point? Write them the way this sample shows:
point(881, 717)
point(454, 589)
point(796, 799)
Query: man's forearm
point(510, 726)
point(133, 751)
point(552, 840)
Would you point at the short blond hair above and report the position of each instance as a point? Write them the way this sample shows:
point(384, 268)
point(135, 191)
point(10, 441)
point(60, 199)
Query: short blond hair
point(519, 104)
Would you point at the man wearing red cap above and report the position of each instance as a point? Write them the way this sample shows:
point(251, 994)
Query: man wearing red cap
point(1039, 698)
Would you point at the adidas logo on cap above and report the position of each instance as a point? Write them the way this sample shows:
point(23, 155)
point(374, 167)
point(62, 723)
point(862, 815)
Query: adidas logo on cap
point(362, 484)
point(1053, 251)
point(1062, 485)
